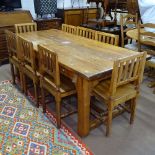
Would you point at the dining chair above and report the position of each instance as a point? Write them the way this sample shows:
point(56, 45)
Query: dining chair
point(25, 27)
point(146, 37)
point(69, 28)
point(52, 81)
point(151, 64)
point(107, 38)
point(146, 42)
point(14, 56)
point(85, 32)
point(128, 22)
point(122, 87)
point(29, 66)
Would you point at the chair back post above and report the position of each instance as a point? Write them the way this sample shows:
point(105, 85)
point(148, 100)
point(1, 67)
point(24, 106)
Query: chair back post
point(139, 43)
point(25, 27)
point(122, 31)
point(128, 70)
point(11, 43)
point(49, 64)
point(27, 53)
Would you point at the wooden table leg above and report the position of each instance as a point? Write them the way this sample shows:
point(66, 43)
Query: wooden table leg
point(83, 91)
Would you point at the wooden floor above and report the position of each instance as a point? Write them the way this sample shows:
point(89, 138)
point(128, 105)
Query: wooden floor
point(138, 139)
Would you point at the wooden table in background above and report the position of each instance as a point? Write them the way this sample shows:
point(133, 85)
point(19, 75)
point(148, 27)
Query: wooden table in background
point(83, 60)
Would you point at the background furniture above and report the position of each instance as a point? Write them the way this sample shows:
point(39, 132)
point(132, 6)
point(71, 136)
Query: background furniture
point(128, 22)
point(48, 23)
point(7, 21)
point(76, 16)
point(44, 7)
point(146, 37)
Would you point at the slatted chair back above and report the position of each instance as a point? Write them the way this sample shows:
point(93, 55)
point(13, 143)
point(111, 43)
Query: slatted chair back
point(127, 70)
point(107, 38)
point(11, 43)
point(85, 32)
point(25, 27)
point(27, 53)
point(69, 28)
point(127, 23)
point(49, 64)
point(146, 37)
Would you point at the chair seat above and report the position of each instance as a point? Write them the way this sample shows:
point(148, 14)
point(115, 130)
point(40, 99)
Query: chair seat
point(125, 92)
point(66, 85)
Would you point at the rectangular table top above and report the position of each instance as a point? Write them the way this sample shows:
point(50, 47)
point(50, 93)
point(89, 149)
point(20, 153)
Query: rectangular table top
point(86, 57)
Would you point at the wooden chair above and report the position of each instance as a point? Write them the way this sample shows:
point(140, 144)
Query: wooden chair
point(107, 38)
point(122, 87)
point(151, 63)
point(146, 38)
point(29, 66)
point(69, 28)
point(128, 22)
point(146, 42)
point(85, 32)
point(14, 56)
point(25, 27)
point(51, 80)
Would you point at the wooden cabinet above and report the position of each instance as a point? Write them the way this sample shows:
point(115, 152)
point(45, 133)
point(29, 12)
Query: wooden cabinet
point(7, 21)
point(76, 16)
point(49, 23)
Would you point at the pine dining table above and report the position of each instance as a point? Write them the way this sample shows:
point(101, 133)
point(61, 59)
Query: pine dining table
point(85, 61)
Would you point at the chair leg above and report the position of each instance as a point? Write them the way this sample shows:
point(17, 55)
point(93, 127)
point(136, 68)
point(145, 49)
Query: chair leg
point(109, 120)
point(21, 81)
point(36, 93)
point(12, 73)
point(24, 85)
point(133, 109)
point(58, 111)
point(43, 99)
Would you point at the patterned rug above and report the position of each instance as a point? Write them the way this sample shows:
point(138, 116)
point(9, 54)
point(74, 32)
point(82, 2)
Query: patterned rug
point(25, 130)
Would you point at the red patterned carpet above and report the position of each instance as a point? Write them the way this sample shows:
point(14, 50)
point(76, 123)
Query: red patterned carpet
point(25, 130)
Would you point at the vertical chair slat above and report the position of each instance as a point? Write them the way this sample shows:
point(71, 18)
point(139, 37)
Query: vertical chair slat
point(25, 27)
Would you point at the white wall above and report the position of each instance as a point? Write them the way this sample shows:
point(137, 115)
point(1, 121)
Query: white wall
point(29, 5)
